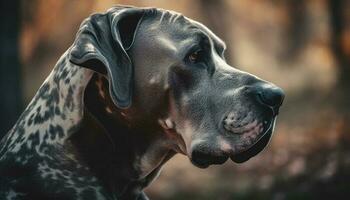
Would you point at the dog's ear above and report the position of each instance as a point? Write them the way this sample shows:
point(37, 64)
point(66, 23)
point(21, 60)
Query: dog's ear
point(101, 44)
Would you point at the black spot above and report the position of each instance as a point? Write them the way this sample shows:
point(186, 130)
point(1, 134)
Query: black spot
point(67, 81)
point(38, 119)
point(30, 120)
point(52, 97)
point(56, 131)
point(64, 73)
point(69, 103)
point(43, 89)
point(57, 110)
point(63, 116)
point(34, 138)
point(74, 72)
point(48, 114)
point(38, 109)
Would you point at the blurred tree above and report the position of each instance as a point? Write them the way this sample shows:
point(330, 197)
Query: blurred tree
point(297, 29)
point(10, 98)
point(219, 18)
point(340, 27)
point(340, 43)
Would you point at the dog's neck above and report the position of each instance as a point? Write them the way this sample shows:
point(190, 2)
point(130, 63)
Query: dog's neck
point(125, 157)
point(53, 114)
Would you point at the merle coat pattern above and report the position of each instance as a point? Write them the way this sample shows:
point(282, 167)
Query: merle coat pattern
point(137, 86)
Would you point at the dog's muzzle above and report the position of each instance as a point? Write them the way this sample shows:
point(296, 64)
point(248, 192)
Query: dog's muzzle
point(256, 133)
point(247, 132)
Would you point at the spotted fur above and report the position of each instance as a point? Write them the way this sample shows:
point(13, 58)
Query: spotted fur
point(32, 157)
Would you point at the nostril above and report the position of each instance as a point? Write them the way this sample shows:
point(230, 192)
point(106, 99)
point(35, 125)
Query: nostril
point(272, 96)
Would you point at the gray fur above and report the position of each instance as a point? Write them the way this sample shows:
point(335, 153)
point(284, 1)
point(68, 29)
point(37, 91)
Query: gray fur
point(123, 100)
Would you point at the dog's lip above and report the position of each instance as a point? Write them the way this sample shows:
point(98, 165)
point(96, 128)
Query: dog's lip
point(168, 127)
point(255, 148)
point(266, 128)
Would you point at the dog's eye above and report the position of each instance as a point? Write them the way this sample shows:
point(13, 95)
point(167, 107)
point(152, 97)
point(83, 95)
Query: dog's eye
point(196, 56)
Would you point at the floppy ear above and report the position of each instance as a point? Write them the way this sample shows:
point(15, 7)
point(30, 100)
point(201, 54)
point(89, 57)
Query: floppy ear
point(101, 44)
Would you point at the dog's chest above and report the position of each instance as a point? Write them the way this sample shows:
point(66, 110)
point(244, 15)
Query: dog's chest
point(31, 154)
point(48, 178)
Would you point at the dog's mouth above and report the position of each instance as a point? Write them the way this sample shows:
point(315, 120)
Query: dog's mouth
point(253, 138)
point(253, 142)
point(250, 143)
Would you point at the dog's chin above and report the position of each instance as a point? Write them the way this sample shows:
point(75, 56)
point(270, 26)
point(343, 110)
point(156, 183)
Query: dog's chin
point(206, 163)
point(256, 148)
point(200, 165)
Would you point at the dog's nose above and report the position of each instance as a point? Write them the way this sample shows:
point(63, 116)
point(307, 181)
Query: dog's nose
point(271, 95)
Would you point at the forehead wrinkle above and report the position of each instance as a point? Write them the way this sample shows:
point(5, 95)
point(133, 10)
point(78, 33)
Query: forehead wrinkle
point(191, 29)
point(218, 42)
point(169, 16)
point(202, 30)
point(173, 17)
point(168, 44)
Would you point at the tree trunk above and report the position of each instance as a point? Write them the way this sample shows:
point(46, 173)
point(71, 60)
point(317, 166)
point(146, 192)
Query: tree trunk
point(340, 39)
point(297, 29)
point(340, 43)
point(10, 90)
point(218, 18)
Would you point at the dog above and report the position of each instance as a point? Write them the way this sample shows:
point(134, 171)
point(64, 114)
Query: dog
point(137, 86)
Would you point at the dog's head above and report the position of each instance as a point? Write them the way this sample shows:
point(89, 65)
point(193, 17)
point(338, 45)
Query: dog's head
point(174, 71)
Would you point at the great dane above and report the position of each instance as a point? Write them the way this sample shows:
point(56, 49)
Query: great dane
point(137, 86)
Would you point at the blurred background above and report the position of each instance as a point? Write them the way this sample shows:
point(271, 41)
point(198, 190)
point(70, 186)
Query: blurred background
point(302, 46)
